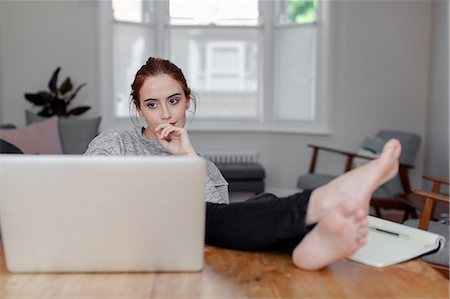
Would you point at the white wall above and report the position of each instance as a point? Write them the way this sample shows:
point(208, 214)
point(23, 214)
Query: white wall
point(380, 63)
point(1, 81)
point(437, 146)
point(36, 38)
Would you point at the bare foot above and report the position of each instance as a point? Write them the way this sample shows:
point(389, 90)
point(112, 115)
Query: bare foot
point(336, 236)
point(359, 183)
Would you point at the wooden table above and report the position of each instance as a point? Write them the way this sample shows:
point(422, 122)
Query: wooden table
point(236, 274)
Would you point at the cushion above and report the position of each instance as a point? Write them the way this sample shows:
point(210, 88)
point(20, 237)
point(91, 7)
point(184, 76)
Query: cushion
point(372, 147)
point(241, 171)
point(410, 144)
point(75, 134)
point(38, 138)
point(373, 144)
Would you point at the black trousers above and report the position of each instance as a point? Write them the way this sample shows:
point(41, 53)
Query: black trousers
point(264, 222)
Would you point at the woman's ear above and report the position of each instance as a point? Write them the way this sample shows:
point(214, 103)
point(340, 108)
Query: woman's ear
point(139, 111)
point(188, 103)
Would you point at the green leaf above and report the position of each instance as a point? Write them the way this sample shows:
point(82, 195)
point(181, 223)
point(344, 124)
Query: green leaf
point(39, 99)
point(66, 86)
point(78, 110)
point(46, 96)
point(72, 96)
point(53, 80)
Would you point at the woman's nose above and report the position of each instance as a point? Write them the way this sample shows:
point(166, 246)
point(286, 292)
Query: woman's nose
point(165, 112)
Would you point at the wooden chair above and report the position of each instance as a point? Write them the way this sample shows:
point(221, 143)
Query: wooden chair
point(431, 199)
point(313, 180)
point(388, 196)
point(426, 219)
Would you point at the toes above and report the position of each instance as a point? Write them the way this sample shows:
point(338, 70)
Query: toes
point(392, 148)
point(363, 232)
point(362, 222)
point(361, 216)
point(361, 242)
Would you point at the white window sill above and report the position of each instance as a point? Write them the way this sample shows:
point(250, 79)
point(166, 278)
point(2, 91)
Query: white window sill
point(237, 126)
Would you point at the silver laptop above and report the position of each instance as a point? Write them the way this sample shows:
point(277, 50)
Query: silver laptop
point(102, 214)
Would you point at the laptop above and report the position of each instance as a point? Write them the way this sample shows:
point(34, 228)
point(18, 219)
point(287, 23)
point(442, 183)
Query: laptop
point(66, 213)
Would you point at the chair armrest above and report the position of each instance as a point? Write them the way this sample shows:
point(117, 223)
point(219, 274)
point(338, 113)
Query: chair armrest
point(429, 206)
point(433, 196)
point(338, 151)
point(402, 172)
point(350, 156)
point(356, 155)
point(436, 179)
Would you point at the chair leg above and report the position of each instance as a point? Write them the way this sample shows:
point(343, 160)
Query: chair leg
point(378, 212)
point(413, 213)
point(406, 215)
point(410, 212)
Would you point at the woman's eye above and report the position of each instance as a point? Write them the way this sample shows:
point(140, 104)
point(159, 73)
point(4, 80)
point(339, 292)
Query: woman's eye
point(173, 101)
point(151, 105)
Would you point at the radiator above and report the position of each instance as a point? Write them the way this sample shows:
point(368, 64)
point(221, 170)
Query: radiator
point(232, 157)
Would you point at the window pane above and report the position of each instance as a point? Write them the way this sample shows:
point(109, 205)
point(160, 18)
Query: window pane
point(136, 11)
point(224, 82)
point(221, 66)
point(298, 11)
point(132, 46)
point(295, 73)
point(217, 12)
point(225, 58)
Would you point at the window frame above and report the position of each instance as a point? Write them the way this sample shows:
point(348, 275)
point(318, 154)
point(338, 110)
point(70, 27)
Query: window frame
point(267, 118)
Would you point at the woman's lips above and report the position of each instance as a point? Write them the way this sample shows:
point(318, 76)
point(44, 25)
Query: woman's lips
point(173, 124)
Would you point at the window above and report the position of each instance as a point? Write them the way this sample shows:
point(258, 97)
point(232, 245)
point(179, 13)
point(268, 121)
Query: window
point(252, 64)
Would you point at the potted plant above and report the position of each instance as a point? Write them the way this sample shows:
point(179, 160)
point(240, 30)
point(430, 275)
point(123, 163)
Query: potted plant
point(57, 99)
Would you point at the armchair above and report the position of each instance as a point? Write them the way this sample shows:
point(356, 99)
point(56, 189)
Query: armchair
point(440, 258)
point(388, 196)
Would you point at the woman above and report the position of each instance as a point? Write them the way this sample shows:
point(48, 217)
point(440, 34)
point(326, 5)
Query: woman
point(317, 227)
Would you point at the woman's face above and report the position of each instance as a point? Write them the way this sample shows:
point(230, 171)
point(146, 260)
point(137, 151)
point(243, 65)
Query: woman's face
point(162, 101)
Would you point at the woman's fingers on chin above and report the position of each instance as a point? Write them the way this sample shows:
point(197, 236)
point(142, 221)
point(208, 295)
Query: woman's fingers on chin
point(161, 127)
point(166, 131)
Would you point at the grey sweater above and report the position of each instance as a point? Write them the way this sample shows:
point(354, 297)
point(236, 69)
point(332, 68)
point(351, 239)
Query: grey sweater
point(134, 143)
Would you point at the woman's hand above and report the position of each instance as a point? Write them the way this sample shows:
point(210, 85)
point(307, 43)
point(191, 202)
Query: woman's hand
point(175, 140)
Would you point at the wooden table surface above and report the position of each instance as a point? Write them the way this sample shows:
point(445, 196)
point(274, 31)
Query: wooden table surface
point(237, 274)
